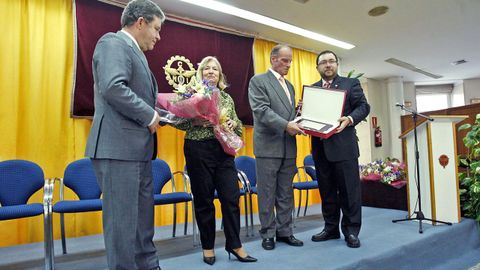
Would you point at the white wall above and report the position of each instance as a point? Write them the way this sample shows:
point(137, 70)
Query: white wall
point(457, 96)
point(376, 92)
point(409, 94)
point(394, 96)
point(364, 133)
point(471, 89)
point(377, 98)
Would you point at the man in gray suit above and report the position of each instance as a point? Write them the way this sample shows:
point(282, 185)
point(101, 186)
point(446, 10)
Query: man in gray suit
point(272, 99)
point(122, 138)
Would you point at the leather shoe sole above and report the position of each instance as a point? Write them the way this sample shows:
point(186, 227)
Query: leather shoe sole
point(352, 241)
point(324, 236)
point(268, 243)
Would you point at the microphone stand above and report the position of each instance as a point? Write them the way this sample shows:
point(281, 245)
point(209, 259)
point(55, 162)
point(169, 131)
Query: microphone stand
point(418, 214)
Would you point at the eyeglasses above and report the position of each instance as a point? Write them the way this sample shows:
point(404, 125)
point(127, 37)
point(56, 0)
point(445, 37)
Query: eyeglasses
point(324, 62)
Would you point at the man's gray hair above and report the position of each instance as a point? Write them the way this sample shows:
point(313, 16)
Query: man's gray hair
point(276, 50)
point(141, 8)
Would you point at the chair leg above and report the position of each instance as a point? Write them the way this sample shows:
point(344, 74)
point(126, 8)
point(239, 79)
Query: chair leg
point(251, 212)
point(48, 240)
point(194, 224)
point(62, 228)
point(185, 226)
point(246, 213)
point(174, 219)
point(306, 203)
point(299, 202)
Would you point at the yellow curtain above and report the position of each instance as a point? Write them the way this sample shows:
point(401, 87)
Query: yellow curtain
point(35, 82)
point(37, 59)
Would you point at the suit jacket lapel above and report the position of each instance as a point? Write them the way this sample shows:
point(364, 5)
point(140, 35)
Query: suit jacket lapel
point(279, 90)
point(336, 82)
point(137, 52)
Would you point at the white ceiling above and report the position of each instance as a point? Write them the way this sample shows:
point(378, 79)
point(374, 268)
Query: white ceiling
point(429, 34)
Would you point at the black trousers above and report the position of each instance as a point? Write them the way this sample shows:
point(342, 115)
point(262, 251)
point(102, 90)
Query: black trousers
point(340, 189)
point(210, 169)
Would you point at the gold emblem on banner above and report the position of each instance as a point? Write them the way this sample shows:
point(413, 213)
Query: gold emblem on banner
point(179, 71)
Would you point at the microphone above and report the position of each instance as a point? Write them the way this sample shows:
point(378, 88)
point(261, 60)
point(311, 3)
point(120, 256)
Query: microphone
point(399, 105)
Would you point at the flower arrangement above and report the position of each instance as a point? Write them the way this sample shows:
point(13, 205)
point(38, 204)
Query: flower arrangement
point(389, 171)
point(194, 87)
point(196, 100)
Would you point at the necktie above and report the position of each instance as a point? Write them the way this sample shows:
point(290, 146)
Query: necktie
point(285, 88)
point(326, 85)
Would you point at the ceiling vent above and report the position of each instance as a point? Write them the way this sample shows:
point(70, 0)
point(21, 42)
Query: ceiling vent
point(411, 67)
point(378, 11)
point(458, 62)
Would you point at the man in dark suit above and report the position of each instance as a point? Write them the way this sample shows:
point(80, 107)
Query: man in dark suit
point(336, 158)
point(272, 99)
point(122, 138)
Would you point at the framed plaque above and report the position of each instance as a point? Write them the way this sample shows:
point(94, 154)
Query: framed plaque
point(321, 110)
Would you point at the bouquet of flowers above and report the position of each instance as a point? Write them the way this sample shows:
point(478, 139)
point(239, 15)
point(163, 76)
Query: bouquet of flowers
point(389, 171)
point(199, 100)
point(195, 100)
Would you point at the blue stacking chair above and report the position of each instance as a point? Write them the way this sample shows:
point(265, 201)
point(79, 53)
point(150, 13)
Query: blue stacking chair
point(308, 170)
point(19, 180)
point(247, 174)
point(161, 176)
point(79, 176)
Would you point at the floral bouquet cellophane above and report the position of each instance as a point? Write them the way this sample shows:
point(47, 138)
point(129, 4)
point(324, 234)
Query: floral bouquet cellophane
point(199, 100)
point(389, 171)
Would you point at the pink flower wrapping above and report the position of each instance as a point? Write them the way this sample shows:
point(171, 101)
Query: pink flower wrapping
point(230, 141)
point(205, 107)
point(197, 106)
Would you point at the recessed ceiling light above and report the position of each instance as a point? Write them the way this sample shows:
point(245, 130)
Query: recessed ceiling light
point(248, 15)
point(378, 11)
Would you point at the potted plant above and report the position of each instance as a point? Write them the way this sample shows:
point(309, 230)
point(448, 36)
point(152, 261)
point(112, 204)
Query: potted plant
point(470, 179)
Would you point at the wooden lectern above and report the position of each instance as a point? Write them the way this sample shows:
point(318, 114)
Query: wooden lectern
point(437, 149)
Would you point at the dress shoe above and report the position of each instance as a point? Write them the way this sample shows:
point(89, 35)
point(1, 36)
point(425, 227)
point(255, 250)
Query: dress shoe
point(324, 236)
point(352, 241)
point(209, 260)
point(247, 258)
point(268, 244)
point(290, 240)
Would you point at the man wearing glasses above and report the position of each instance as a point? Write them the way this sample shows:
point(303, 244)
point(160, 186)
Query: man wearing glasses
point(336, 158)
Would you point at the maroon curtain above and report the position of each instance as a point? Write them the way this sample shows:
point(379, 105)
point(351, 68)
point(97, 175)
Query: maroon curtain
point(94, 19)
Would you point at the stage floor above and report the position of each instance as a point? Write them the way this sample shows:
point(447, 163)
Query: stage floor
point(385, 245)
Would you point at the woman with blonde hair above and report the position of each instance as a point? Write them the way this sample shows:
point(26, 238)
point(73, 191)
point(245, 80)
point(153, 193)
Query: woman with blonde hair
point(210, 169)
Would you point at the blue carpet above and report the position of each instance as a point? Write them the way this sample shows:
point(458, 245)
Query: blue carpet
point(385, 245)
